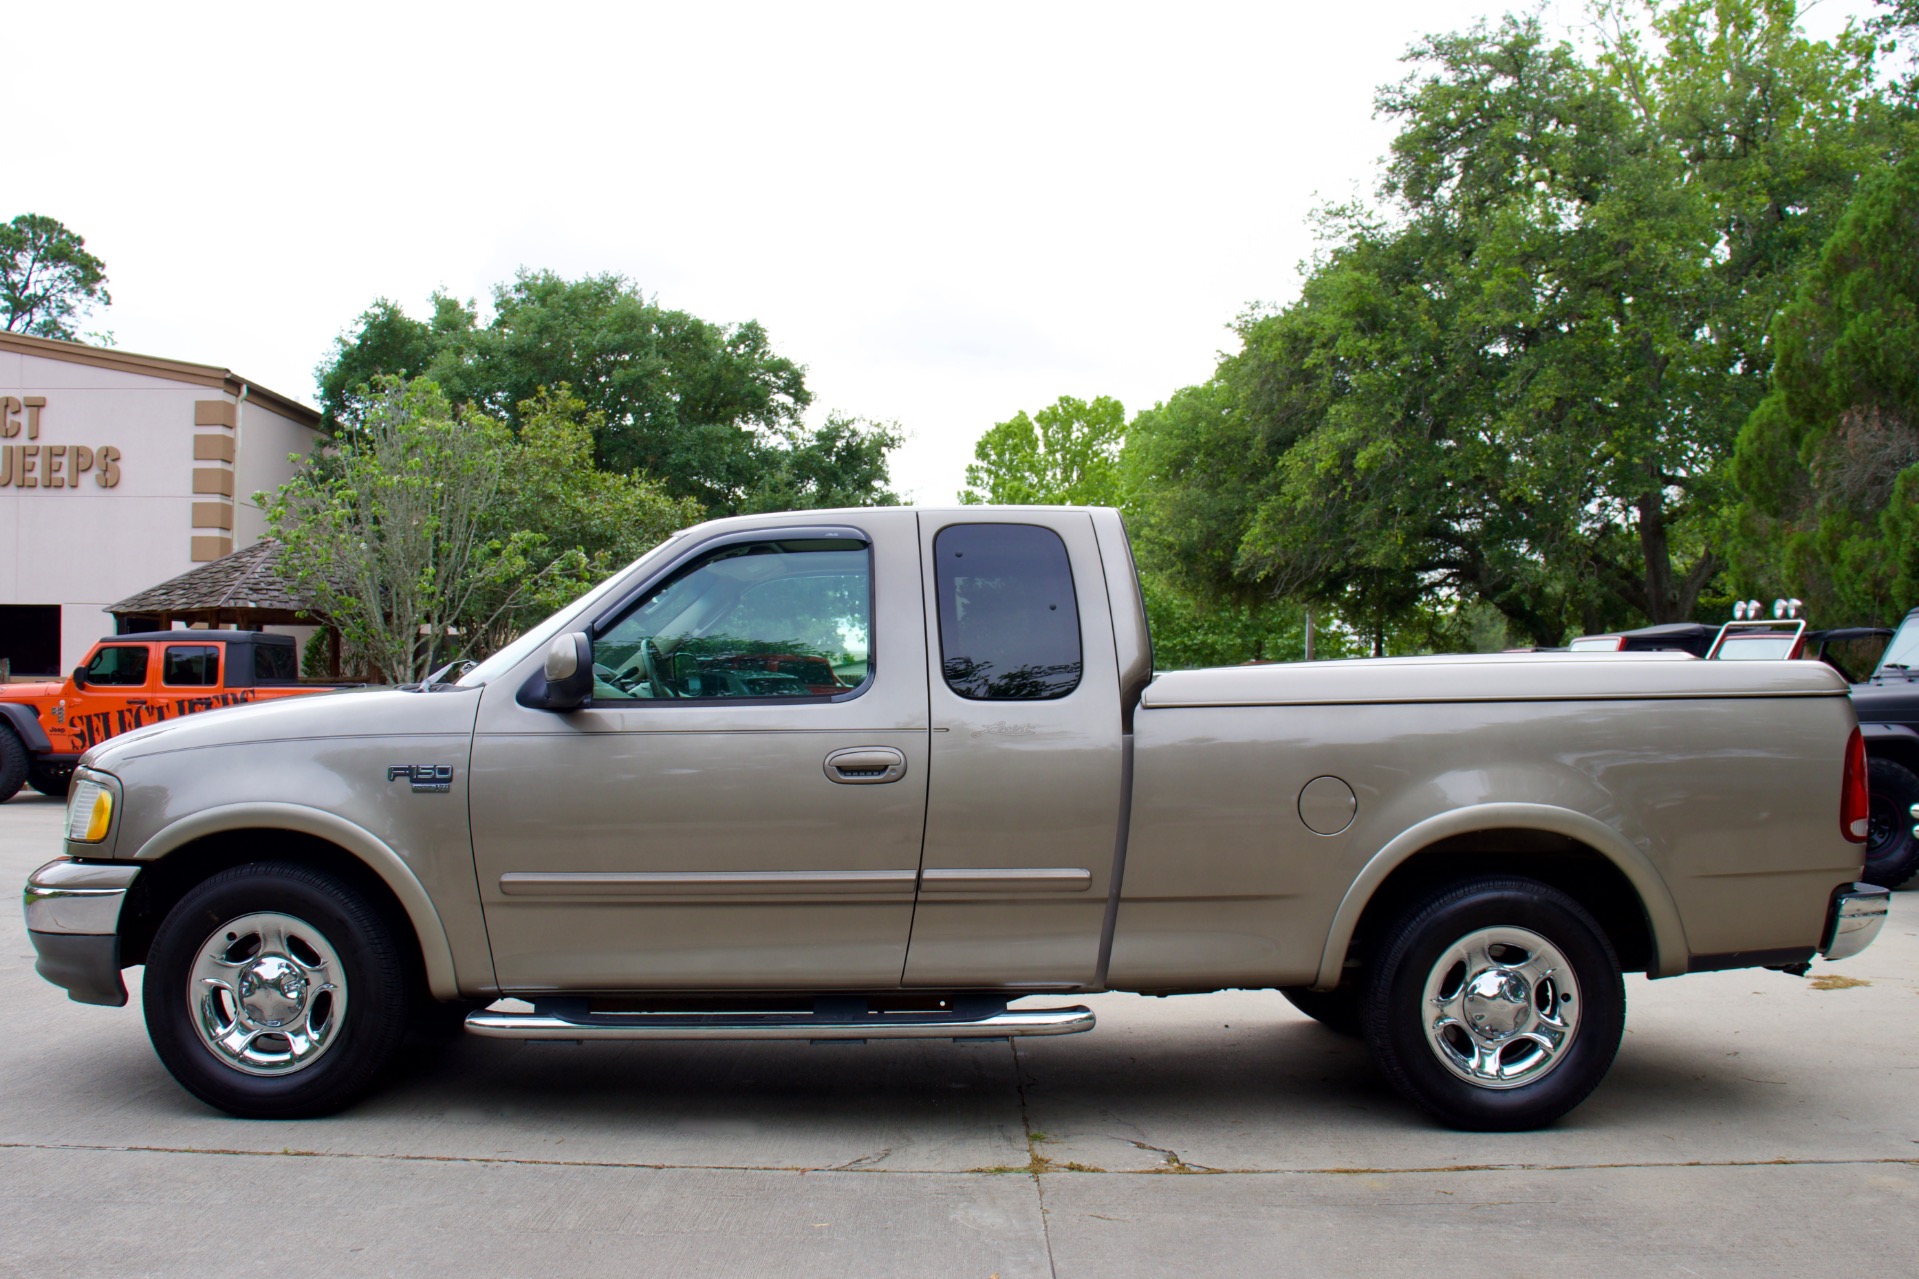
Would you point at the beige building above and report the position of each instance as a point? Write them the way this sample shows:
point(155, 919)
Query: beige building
point(118, 472)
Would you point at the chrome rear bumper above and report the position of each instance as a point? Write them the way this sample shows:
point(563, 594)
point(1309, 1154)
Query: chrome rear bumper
point(1852, 921)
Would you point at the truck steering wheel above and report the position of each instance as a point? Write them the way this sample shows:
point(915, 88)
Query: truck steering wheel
point(651, 659)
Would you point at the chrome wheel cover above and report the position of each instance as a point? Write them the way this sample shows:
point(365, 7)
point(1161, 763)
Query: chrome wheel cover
point(1501, 1007)
point(267, 994)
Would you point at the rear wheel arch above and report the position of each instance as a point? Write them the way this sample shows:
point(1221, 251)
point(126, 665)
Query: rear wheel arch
point(196, 848)
point(1579, 856)
point(1900, 748)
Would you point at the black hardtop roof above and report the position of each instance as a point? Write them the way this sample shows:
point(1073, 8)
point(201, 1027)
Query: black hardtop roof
point(1848, 633)
point(1673, 629)
point(197, 637)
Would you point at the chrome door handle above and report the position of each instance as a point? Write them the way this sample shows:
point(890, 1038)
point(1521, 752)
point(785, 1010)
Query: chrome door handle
point(865, 765)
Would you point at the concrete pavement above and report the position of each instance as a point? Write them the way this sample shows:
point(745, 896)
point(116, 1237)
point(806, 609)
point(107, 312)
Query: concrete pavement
point(1754, 1125)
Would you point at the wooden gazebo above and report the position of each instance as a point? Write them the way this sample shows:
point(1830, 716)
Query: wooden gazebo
point(244, 590)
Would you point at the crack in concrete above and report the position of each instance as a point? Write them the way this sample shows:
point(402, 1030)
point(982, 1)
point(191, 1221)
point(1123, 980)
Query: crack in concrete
point(864, 1161)
point(1036, 1163)
point(1172, 1162)
point(861, 1167)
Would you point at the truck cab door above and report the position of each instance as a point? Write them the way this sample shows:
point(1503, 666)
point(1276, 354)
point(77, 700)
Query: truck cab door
point(1025, 801)
point(740, 805)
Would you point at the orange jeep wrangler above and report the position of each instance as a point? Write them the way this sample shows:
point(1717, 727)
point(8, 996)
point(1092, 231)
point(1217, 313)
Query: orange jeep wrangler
point(131, 680)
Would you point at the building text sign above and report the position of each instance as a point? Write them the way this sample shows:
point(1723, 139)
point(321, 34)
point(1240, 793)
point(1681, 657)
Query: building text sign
point(32, 464)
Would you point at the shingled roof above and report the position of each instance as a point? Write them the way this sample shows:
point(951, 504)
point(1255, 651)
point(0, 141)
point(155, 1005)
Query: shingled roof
point(246, 581)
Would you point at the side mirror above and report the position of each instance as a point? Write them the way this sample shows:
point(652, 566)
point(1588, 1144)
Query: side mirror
point(566, 681)
point(80, 676)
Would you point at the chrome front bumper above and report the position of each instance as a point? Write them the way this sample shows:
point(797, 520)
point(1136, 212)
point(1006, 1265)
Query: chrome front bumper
point(73, 920)
point(1852, 921)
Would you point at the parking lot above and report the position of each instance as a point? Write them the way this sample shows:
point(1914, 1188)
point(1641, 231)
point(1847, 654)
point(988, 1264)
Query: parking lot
point(1755, 1124)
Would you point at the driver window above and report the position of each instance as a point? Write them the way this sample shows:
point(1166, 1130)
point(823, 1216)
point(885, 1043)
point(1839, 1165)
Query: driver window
point(786, 618)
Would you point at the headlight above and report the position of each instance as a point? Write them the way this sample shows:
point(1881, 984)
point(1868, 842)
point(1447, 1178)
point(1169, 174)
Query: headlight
point(89, 812)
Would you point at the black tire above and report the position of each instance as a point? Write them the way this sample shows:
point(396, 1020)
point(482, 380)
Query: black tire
point(54, 780)
point(1892, 853)
point(1538, 1068)
point(1337, 1009)
point(349, 1042)
point(13, 763)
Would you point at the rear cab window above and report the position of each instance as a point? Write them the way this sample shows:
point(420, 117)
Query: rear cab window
point(1008, 616)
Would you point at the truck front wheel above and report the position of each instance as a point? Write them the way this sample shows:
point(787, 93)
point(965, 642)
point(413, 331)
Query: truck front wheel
point(274, 991)
point(1892, 852)
point(1497, 1006)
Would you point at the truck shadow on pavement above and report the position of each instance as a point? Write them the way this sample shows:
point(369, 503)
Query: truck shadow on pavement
point(1285, 1093)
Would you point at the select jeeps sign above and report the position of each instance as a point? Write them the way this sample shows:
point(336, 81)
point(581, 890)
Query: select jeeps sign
point(33, 465)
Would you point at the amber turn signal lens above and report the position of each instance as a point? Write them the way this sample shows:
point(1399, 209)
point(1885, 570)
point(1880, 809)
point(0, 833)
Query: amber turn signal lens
point(89, 812)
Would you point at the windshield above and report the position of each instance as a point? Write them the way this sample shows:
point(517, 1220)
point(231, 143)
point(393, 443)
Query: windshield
point(1904, 649)
point(536, 637)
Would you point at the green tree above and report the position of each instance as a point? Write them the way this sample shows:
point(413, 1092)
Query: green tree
point(559, 525)
point(842, 462)
point(387, 342)
point(1067, 454)
point(710, 410)
point(1520, 380)
point(1828, 464)
point(390, 539)
point(430, 531)
point(1897, 23)
point(48, 280)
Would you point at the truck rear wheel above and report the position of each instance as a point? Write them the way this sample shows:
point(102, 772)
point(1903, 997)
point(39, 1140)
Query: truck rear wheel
point(13, 763)
point(1498, 1005)
point(1892, 852)
point(274, 991)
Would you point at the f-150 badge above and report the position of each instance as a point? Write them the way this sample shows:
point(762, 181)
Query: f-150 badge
point(424, 778)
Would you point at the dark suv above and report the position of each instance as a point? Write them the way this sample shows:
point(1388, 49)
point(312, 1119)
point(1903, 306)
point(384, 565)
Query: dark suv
point(1888, 706)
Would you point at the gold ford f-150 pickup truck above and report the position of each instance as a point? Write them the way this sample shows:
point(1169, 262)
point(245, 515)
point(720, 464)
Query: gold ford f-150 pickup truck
point(875, 773)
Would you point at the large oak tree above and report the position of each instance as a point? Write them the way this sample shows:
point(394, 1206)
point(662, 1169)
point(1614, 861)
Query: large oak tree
point(1518, 379)
point(709, 410)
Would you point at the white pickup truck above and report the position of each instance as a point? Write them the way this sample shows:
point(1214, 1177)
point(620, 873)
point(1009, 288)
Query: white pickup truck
point(876, 773)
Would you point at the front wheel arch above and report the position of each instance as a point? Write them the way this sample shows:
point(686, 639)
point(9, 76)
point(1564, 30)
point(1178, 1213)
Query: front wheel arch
point(277, 991)
point(165, 880)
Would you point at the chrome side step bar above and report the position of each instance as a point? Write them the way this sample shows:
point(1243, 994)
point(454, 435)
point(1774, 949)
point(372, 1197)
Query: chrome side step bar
point(570, 1020)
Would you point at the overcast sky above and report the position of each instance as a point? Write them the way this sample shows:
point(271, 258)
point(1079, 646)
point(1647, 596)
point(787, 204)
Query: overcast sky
point(947, 213)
